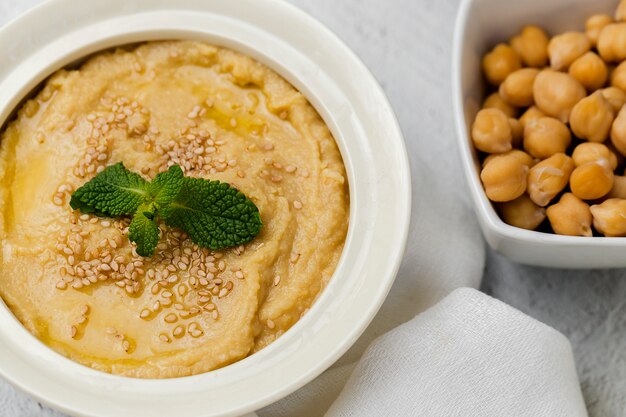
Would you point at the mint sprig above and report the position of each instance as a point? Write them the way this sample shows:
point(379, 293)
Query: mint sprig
point(214, 214)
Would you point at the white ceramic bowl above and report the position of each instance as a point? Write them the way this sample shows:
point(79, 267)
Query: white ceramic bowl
point(480, 25)
point(356, 110)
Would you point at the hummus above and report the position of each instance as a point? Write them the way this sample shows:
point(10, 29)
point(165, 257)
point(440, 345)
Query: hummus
point(75, 280)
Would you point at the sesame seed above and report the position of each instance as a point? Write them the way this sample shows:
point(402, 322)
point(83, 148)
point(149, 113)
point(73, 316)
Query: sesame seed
point(223, 293)
point(276, 280)
point(73, 332)
point(145, 313)
point(61, 285)
point(171, 318)
point(239, 275)
point(297, 205)
point(164, 338)
point(84, 310)
point(270, 324)
point(178, 331)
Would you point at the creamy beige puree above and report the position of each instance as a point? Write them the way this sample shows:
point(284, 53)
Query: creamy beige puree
point(75, 281)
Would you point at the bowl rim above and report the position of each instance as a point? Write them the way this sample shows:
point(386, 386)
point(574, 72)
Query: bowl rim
point(483, 208)
point(389, 201)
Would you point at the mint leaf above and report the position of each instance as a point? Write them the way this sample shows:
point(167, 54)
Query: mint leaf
point(143, 230)
point(115, 191)
point(214, 214)
point(166, 186)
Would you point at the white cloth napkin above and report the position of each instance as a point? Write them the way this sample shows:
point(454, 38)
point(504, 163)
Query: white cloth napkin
point(470, 355)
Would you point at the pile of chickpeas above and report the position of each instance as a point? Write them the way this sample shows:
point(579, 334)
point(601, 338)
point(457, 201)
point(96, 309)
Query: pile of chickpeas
point(552, 134)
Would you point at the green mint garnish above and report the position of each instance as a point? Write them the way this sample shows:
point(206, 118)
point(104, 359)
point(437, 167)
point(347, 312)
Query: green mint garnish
point(144, 231)
point(214, 214)
point(114, 192)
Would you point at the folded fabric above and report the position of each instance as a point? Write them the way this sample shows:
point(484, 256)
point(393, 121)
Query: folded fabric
point(470, 355)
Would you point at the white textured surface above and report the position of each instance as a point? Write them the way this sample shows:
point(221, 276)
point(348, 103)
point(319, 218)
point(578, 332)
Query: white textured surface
point(406, 43)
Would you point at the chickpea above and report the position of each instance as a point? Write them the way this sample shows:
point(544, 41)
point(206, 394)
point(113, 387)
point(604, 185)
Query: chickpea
point(612, 42)
point(522, 212)
point(592, 152)
point(595, 24)
point(532, 113)
point(566, 48)
point(532, 46)
point(615, 97)
point(522, 156)
point(618, 156)
point(556, 93)
point(500, 62)
point(591, 118)
point(590, 70)
point(517, 132)
point(491, 131)
point(570, 216)
point(618, 132)
point(494, 101)
point(548, 178)
point(504, 178)
point(592, 180)
point(619, 188)
point(620, 12)
point(546, 136)
point(517, 88)
point(609, 218)
point(618, 76)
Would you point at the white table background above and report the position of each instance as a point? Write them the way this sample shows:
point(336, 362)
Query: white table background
point(407, 45)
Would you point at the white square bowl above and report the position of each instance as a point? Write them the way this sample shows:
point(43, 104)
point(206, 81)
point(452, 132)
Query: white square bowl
point(480, 25)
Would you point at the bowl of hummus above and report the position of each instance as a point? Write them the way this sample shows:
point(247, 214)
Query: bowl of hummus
point(253, 94)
